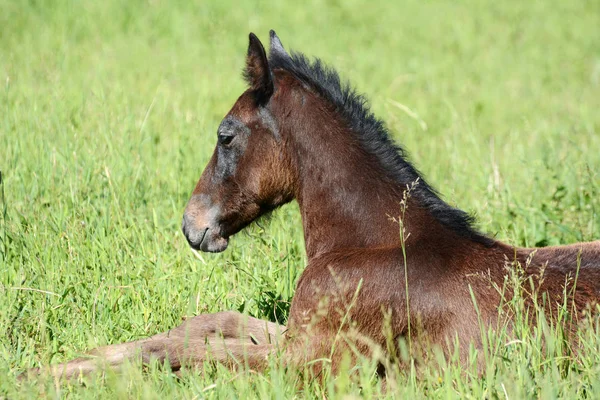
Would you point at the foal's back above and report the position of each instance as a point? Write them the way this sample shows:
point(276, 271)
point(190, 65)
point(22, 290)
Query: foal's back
point(569, 273)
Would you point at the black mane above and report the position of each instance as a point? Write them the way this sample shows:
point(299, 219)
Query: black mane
point(374, 137)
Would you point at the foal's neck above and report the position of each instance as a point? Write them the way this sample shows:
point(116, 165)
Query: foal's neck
point(346, 198)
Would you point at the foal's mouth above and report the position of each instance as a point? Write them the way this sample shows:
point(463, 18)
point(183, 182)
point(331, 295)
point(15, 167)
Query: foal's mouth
point(199, 245)
point(210, 241)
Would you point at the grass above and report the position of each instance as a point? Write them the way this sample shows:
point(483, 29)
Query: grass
point(108, 113)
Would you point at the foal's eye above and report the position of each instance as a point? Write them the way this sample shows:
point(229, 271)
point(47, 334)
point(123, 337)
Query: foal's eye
point(225, 139)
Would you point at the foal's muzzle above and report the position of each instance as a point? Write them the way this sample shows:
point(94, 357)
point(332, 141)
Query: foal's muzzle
point(203, 238)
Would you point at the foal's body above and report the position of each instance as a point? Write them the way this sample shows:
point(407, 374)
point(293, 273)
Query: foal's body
point(289, 138)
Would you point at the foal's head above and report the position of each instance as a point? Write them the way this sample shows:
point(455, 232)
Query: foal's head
point(249, 173)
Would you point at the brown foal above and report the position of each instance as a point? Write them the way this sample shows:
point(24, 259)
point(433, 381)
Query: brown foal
point(298, 133)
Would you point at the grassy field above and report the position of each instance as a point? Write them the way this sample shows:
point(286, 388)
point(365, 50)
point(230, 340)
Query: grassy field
point(108, 114)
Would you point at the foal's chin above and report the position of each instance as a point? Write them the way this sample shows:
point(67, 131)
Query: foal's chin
point(214, 244)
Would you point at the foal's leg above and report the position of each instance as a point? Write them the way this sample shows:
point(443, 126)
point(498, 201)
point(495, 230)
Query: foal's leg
point(227, 337)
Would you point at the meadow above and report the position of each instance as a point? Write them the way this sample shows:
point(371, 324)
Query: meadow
point(108, 114)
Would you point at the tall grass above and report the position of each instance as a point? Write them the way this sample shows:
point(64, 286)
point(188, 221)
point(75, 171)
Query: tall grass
point(109, 113)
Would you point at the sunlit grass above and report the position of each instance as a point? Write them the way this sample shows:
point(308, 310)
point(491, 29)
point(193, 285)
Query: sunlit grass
point(108, 113)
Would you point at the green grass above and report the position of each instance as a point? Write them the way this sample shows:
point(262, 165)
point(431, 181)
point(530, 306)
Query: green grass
point(108, 113)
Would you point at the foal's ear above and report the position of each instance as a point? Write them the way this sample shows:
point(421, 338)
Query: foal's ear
point(277, 49)
point(258, 73)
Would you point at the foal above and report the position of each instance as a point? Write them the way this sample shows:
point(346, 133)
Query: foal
point(298, 133)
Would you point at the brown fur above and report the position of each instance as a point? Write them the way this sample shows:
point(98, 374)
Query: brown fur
point(351, 296)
